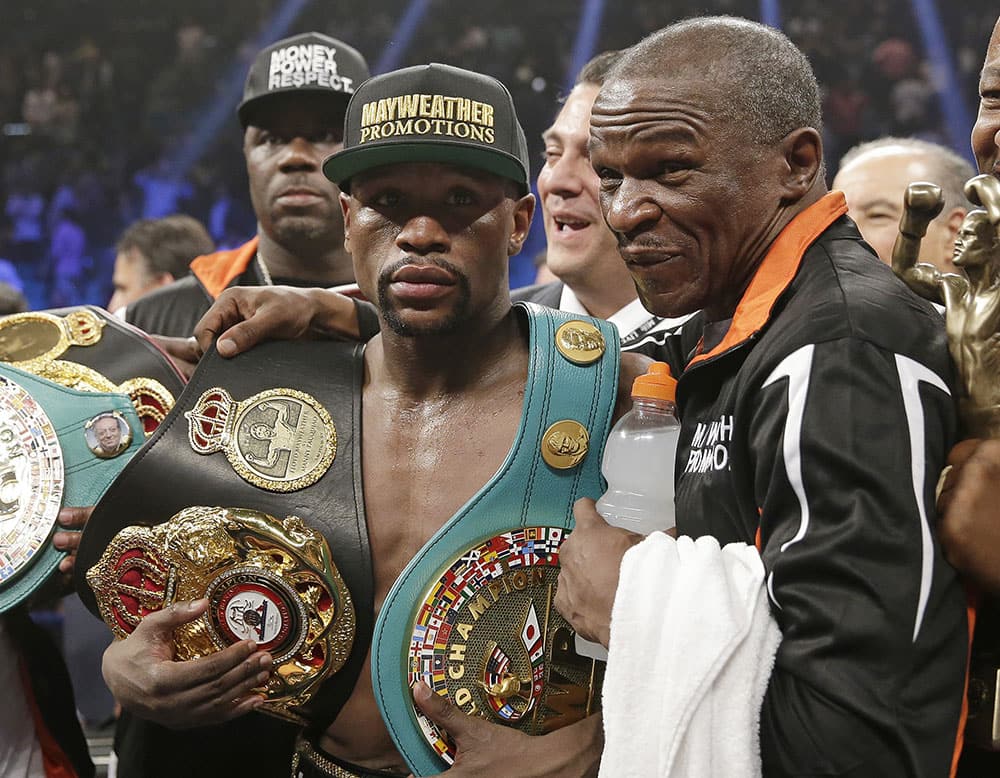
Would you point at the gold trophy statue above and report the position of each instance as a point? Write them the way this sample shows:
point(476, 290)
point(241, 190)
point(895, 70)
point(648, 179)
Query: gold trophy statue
point(971, 300)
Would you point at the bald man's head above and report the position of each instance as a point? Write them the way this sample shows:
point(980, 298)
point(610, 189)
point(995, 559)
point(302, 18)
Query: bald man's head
point(768, 85)
point(874, 177)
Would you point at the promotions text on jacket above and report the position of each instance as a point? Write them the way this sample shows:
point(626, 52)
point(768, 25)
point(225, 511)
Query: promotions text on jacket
point(710, 445)
point(305, 65)
point(458, 117)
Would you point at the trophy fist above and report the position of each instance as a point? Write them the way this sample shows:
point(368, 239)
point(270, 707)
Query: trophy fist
point(921, 203)
point(923, 197)
point(984, 190)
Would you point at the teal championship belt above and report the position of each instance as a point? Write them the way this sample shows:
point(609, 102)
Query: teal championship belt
point(58, 446)
point(472, 614)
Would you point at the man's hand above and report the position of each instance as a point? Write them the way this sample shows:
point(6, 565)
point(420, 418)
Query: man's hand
point(183, 352)
point(142, 675)
point(969, 508)
point(74, 520)
point(589, 561)
point(242, 317)
point(491, 749)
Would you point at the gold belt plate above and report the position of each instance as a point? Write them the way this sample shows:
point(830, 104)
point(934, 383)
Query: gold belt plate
point(487, 637)
point(38, 337)
point(267, 580)
point(34, 342)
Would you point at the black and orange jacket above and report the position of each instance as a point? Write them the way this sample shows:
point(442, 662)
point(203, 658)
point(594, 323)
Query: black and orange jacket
point(175, 309)
point(817, 428)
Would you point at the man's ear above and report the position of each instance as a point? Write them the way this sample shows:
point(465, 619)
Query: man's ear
point(802, 154)
point(954, 221)
point(524, 209)
point(164, 278)
point(345, 209)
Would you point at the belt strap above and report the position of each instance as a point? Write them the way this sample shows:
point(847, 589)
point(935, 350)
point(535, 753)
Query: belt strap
point(312, 762)
point(169, 475)
point(524, 492)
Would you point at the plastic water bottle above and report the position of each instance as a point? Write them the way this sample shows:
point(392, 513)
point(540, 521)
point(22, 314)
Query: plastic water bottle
point(638, 465)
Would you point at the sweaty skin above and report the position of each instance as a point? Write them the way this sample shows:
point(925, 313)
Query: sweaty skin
point(422, 461)
point(431, 242)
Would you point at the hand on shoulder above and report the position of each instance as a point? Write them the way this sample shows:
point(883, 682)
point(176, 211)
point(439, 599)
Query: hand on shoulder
point(242, 317)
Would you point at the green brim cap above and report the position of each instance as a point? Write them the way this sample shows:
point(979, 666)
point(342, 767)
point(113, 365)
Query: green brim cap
point(431, 113)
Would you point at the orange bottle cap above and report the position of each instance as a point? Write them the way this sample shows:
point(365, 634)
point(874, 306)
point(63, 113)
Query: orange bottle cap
point(656, 384)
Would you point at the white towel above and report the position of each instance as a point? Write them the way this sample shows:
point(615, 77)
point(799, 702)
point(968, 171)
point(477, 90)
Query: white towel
point(692, 647)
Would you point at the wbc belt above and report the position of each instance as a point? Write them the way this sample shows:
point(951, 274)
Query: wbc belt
point(472, 614)
point(51, 456)
point(249, 493)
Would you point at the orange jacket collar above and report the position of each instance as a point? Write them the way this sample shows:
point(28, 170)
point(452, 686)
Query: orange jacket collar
point(216, 271)
point(777, 270)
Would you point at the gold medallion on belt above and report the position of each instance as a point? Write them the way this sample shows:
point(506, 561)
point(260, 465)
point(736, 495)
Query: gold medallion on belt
point(281, 439)
point(565, 444)
point(580, 342)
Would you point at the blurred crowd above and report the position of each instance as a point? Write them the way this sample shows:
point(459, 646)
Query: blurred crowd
point(101, 103)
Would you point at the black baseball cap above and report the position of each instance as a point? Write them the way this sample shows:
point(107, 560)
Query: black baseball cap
point(431, 113)
point(310, 62)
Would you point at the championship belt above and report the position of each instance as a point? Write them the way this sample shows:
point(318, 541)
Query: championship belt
point(266, 580)
point(472, 613)
point(58, 446)
point(87, 348)
point(272, 436)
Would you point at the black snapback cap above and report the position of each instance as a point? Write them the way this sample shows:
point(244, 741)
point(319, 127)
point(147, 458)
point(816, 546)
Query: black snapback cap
point(310, 62)
point(431, 113)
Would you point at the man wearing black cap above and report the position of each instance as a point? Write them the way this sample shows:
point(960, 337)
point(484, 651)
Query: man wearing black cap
point(435, 200)
point(292, 115)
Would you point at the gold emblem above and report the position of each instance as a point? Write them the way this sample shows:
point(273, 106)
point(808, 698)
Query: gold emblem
point(580, 342)
point(107, 435)
point(266, 580)
point(35, 341)
point(565, 444)
point(31, 478)
point(151, 399)
point(280, 440)
point(41, 337)
point(487, 638)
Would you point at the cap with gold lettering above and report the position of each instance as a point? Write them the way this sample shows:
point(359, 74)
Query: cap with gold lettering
point(310, 62)
point(431, 113)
